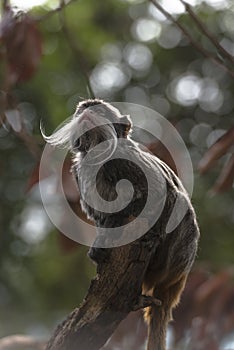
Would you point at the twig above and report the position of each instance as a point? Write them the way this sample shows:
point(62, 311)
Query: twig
point(114, 292)
point(56, 10)
point(216, 151)
point(199, 47)
point(76, 51)
point(226, 178)
point(206, 32)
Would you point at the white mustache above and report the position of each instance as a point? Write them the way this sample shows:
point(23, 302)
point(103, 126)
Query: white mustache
point(65, 136)
point(62, 136)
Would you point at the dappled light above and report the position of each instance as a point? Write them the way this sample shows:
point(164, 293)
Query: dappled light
point(210, 97)
point(108, 76)
point(170, 37)
point(174, 57)
point(138, 56)
point(28, 4)
point(199, 134)
point(185, 90)
point(34, 225)
point(146, 30)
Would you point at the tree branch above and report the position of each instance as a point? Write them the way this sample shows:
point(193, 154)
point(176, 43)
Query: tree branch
point(114, 292)
point(197, 46)
point(76, 51)
point(206, 32)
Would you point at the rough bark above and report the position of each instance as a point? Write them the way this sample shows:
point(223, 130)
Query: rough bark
point(113, 293)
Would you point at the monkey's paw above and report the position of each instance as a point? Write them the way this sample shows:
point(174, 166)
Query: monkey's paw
point(145, 301)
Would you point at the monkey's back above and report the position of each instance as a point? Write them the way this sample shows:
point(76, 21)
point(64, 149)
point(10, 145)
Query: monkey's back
point(175, 247)
point(176, 233)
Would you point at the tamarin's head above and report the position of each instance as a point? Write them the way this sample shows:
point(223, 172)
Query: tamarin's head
point(93, 122)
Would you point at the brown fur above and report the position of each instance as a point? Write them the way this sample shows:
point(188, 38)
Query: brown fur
point(174, 252)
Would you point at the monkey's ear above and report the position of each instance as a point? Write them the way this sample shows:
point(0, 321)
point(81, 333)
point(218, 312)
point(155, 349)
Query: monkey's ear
point(126, 125)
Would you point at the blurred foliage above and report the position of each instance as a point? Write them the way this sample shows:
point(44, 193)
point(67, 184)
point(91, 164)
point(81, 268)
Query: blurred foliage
point(131, 53)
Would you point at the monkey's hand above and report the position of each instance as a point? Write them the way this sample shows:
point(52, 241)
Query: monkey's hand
point(145, 301)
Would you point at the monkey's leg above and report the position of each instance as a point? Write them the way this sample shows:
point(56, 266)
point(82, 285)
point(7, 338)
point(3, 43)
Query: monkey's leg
point(158, 317)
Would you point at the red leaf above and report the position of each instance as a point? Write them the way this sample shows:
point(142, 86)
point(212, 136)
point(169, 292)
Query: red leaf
point(216, 151)
point(40, 174)
point(67, 245)
point(22, 41)
point(211, 286)
point(33, 179)
point(226, 178)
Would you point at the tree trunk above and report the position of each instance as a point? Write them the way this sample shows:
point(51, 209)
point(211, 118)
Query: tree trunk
point(113, 293)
